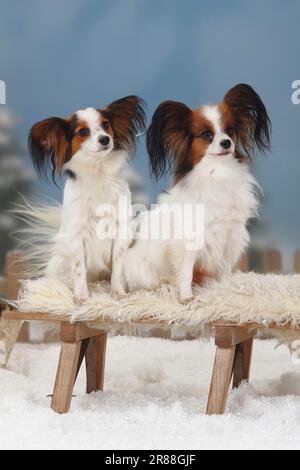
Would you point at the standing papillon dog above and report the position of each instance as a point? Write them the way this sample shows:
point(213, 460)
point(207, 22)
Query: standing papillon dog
point(91, 147)
point(208, 151)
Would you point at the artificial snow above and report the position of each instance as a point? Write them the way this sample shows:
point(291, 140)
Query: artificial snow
point(155, 398)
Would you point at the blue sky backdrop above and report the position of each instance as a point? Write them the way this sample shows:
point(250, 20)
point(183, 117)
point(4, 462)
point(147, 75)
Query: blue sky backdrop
point(57, 56)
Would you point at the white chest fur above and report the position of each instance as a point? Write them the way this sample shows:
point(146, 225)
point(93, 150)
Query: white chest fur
point(92, 186)
point(226, 190)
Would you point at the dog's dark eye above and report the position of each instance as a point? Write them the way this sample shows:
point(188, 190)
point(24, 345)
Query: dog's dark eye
point(229, 131)
point(84, 132)
point(105, 125)
point(207, 135)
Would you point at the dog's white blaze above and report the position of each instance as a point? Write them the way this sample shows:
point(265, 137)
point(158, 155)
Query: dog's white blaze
point(212, 114)
point(92, 117)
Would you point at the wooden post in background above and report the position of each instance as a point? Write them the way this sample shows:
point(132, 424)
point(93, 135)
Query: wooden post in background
point(243, 264)
point(14, 264)
point(10, 330)
point(297, 262)
point(271, 261)
point(2, 285)
point(14, 271)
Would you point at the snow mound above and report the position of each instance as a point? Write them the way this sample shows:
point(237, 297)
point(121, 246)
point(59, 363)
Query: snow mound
point(154, 397)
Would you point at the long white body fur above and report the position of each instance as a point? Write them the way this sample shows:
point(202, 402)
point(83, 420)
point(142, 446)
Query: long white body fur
point(226, 188)
point(77, 252)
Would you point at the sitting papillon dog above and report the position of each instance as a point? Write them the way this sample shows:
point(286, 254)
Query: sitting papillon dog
point(91, 147)
point(208, 151)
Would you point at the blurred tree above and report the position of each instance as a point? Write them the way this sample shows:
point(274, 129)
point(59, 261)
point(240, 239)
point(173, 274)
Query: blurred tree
point(15, 179)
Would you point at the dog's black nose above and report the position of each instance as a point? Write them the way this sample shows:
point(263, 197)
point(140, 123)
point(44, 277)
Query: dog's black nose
point(226, 144)
point(104, 140)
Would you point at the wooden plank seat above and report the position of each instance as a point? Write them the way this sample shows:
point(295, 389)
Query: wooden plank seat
point(87, 340)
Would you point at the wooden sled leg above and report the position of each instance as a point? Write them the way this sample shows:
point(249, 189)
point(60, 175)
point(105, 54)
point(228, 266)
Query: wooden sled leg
point(95, 363)
point(242, 362)
point(65, 377)
point(233, 356)
point(78, 341)
point(220, 381)
point(83, 348)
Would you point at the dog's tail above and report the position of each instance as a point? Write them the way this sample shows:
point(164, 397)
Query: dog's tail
point(40, 223)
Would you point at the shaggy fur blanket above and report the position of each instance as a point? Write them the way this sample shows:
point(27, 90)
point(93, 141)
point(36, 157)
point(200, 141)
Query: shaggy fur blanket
point(240, 297)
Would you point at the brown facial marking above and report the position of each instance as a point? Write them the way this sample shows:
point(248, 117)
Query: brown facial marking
point(200, 141)
point(118, 125)
point(106, 126)
point(81, 132)
point(228, 123)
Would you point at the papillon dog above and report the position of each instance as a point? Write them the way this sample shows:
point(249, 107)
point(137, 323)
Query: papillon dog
point(91, 147)
point(208, 151)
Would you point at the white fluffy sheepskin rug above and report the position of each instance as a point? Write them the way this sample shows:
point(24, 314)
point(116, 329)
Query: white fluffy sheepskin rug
point(240, 297)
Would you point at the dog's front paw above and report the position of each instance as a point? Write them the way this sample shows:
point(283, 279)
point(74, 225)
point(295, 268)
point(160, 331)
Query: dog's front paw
point(117, 289)
point(185, 300)
point(118, 293)
point(80, 300)
point(185, 296)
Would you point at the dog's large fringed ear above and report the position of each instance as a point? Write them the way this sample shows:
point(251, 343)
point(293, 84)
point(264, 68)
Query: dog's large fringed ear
point(253, 122)
point(127, 118)
point(169, 139)
point(48, 145)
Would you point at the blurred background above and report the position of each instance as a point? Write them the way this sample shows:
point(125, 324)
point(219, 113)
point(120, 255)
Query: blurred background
point(59, 56)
